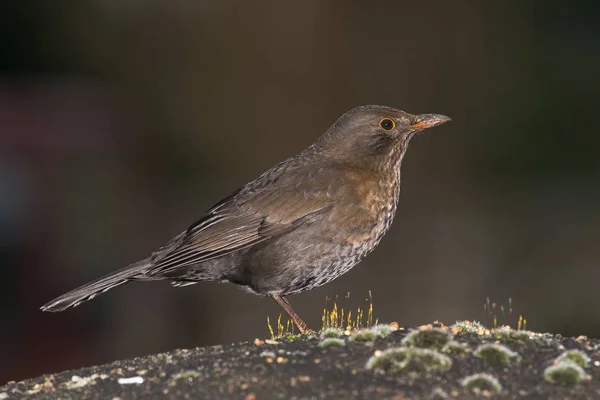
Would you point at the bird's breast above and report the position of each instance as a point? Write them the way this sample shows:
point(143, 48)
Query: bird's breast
point(375, 200)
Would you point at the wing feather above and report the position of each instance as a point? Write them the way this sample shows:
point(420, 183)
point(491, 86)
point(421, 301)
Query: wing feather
point(264, 209)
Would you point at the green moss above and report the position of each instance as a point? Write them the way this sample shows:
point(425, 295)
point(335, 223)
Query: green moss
point(364, 335)
point(564, 373)
point(382, 330)
point(331, 333)
point(332, 342)
point(453, 347)
point(376, 332)
point(409, 359)
point(482, 382)
point(468, 326)
point(438, 394)
point(299, 336)
point(188, 375)
point(577, 356)
point(492, 352)
point(511, 336)
point(433, 338)
point(268, 354)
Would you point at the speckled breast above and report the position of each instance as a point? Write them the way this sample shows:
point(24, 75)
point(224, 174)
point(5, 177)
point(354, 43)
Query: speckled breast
point(370, 217)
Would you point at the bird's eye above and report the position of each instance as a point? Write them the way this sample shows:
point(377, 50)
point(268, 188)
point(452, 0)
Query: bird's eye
point(387, 124)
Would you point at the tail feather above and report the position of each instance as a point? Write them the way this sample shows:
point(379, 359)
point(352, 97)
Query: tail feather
point(90, 290)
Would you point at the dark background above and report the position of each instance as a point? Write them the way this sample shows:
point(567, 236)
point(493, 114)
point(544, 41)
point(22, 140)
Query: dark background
point(122, 122)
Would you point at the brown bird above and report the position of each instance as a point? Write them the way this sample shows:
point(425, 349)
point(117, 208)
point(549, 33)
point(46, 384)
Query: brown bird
point(300, 225)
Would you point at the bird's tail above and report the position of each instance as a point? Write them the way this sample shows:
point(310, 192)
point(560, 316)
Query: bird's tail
point(90, 290)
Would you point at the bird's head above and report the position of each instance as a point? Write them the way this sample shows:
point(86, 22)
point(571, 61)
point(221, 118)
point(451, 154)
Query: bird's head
point(372, 135)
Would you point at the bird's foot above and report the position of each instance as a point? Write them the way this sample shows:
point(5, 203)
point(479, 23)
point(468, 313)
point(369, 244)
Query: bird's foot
point(287, 307)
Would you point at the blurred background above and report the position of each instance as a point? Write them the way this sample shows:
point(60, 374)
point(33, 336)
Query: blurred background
point(122, 122)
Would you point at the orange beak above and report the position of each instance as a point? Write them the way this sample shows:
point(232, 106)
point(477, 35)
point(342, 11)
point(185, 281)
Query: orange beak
point(425, 121)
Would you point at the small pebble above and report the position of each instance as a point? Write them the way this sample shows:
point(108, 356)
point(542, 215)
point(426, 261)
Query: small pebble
point(132, 380)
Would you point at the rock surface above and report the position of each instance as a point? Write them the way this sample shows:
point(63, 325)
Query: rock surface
point(301, 369)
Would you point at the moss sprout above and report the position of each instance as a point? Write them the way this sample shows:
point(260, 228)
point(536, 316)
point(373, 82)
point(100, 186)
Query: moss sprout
point(433, 338)
point(409, 359)
point(482, 383)
point(564, 373)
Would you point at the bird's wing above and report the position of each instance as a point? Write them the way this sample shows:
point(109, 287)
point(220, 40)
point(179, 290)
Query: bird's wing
point(278, 202)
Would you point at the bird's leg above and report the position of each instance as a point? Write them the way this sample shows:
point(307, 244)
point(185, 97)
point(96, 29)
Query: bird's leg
point(287, 307)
